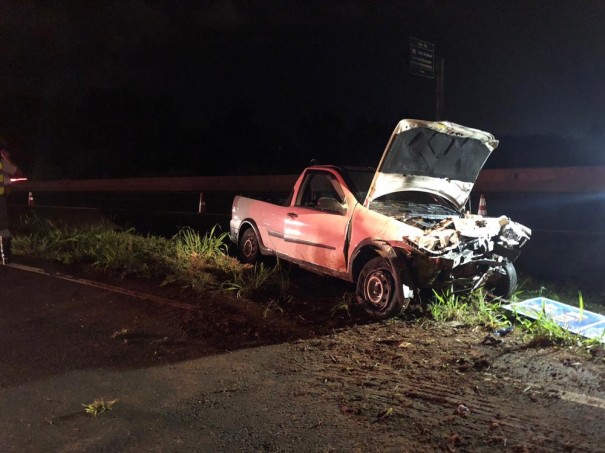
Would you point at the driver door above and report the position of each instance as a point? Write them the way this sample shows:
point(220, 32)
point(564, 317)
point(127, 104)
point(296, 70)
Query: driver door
point(316, 222)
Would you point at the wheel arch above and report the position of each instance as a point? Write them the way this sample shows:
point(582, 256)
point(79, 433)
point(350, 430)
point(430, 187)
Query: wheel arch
point(364, 253)
point(247, 224)
point(400, 266)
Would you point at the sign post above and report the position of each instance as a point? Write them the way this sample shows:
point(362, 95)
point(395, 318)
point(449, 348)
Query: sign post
point(439, 89)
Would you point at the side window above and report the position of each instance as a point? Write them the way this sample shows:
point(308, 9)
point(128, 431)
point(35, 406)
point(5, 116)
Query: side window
point(318, 185)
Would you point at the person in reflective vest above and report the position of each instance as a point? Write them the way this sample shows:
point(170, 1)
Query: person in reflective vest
point(7, 169)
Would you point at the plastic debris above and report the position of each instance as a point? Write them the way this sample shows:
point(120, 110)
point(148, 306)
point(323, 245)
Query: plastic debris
point(574, 319)
point(504, 331)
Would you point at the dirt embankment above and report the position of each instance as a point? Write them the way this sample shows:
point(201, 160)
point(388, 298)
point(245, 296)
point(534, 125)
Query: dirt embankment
point(455, 388)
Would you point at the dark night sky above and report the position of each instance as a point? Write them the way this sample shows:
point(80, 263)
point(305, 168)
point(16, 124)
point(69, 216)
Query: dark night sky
point(133, 88)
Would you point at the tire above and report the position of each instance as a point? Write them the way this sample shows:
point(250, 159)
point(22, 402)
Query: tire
point(249, 247)
point(506, 284)
point(377, 290)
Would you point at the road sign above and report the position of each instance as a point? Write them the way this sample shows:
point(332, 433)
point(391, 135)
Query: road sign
point(576, 320)
point(422, 58)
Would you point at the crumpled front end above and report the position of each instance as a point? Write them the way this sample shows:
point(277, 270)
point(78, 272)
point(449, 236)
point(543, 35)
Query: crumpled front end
point(466, 252)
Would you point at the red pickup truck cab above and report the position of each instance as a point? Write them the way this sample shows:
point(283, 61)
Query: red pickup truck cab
point(395, 231)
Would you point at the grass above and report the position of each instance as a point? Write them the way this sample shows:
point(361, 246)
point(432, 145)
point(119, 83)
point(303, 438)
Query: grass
point(201, 262)
point(544, 331)
point(471, 309)
point(188, 259)
point(474, 309)
point(99, 406)
point(104, 250)
point(344, 305)
point(260, 280)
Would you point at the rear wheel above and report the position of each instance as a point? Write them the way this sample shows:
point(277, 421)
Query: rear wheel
point(377, 290)
point(249, 249)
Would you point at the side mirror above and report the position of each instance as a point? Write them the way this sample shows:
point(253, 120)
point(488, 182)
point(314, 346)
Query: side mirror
point(331, 205)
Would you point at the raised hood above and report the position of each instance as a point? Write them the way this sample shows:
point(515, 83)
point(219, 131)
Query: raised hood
point(441, 158)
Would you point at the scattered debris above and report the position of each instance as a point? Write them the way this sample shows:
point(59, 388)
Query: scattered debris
point(119, 333)
point(504, 331)
point(463, 410)
point(571, 363)
point(491, 340)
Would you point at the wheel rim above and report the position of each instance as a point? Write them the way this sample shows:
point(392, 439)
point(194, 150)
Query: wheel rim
point(249, 247)
point(378, 289)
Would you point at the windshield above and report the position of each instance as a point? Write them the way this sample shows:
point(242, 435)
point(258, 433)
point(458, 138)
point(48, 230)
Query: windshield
point(414, 204)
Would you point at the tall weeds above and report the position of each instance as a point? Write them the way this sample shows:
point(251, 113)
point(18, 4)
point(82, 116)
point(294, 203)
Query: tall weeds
point(260, 280)
point(202, 262)
point(105, 250)
point(469, 309)
point(189, 260)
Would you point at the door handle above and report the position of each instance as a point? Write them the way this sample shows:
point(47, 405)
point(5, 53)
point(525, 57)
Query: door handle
point(292, 215)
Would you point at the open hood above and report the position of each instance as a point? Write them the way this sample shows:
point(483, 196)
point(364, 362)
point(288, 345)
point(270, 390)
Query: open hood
point(441, 158)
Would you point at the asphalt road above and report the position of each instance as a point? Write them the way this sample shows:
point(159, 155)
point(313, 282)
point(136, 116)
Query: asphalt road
point(66, 344)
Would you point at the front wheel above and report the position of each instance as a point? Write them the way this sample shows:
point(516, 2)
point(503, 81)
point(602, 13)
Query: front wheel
point(506, 283)
point(377, 290)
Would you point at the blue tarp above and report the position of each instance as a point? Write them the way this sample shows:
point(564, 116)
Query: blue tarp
point(581, 322)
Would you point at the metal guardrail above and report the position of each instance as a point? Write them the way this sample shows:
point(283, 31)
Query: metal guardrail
point(546, 180)
point(257, 183)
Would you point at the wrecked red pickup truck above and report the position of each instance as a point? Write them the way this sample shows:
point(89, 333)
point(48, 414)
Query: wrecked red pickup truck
point(397, 231)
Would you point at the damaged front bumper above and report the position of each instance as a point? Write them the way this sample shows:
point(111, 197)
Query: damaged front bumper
point(466, 252)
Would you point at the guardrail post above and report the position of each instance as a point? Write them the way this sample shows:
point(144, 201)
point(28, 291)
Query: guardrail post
point(202, 204)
